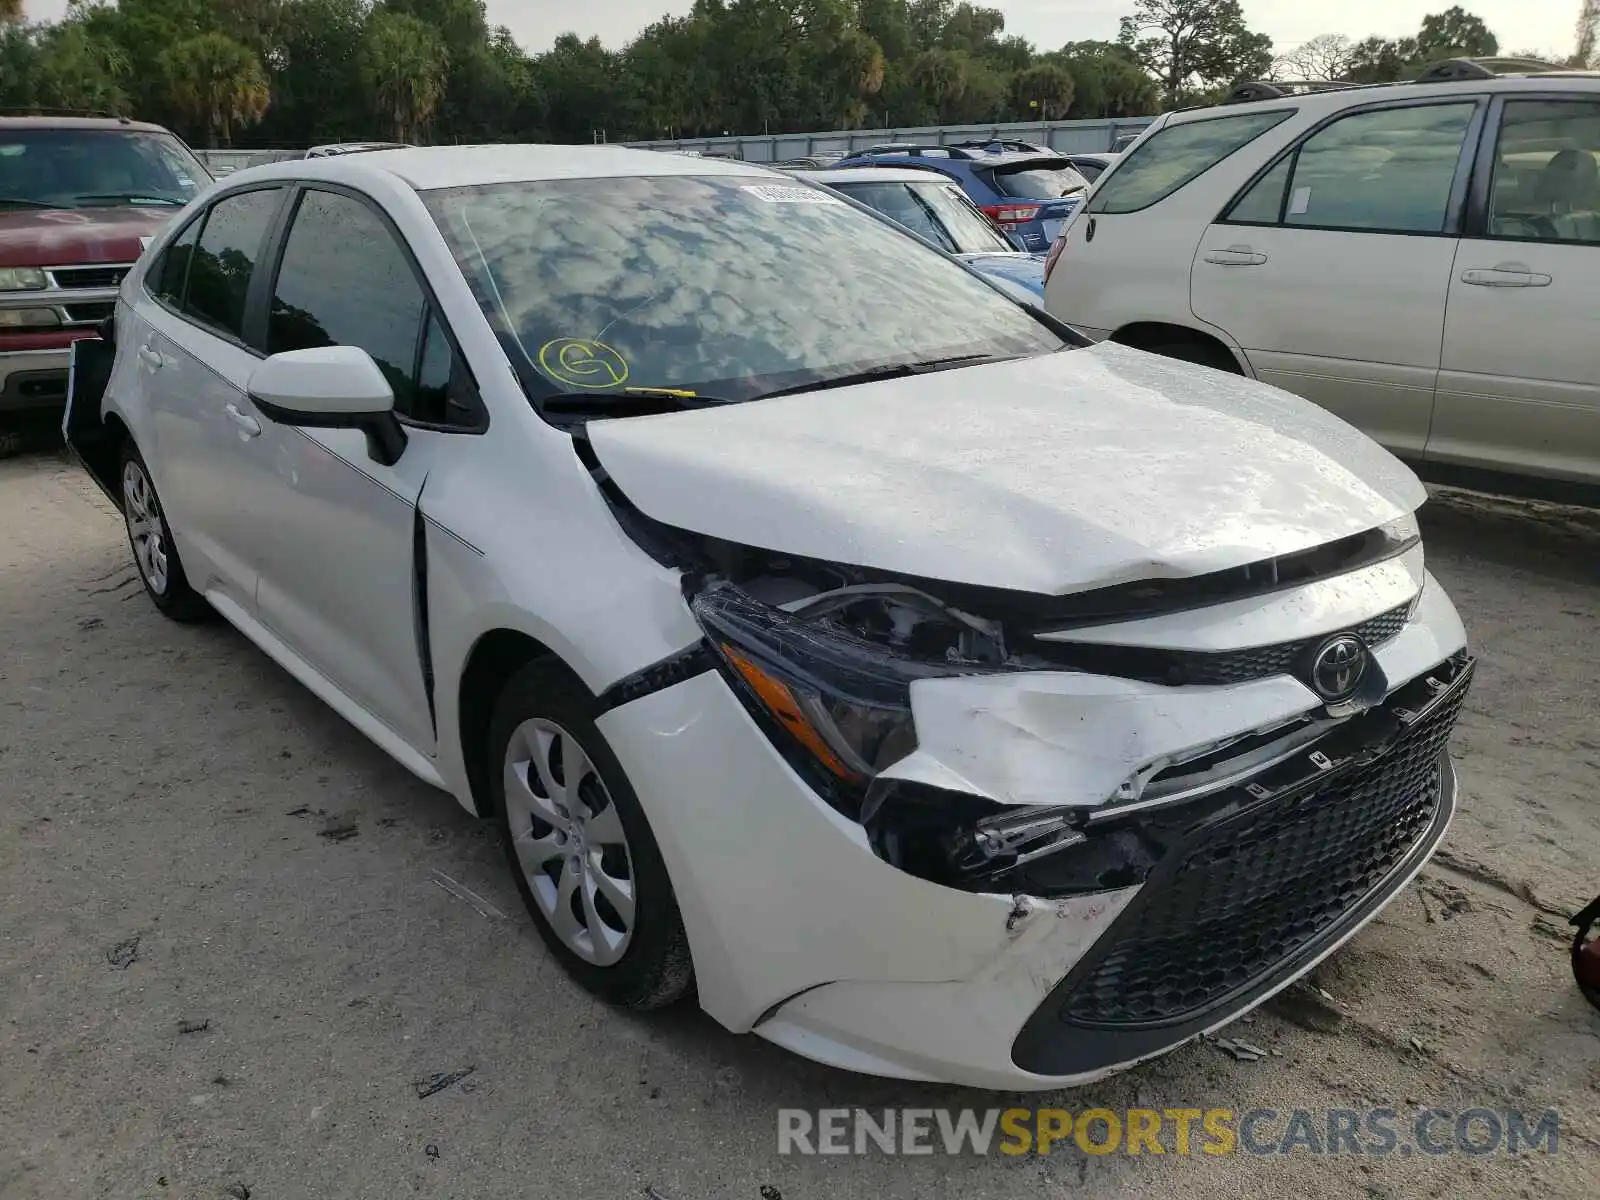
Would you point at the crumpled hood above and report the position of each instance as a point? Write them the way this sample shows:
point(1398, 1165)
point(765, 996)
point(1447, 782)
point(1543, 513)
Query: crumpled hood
point(58, 237)
point(1051, 475)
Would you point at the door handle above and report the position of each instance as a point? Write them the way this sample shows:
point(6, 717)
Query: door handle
point(151, 358)
point(1236, 256)
point(247, 424)
point(1506, 275)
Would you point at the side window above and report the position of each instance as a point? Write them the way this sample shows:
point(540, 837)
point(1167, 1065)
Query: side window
point(1547, 173)
point(225, 258)
point(1386, 171)
point(169, 279)
point(345, 281)
point(1176, 156)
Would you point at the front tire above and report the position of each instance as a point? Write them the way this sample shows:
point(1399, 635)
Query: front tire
point(150, 538)
point(579, 845)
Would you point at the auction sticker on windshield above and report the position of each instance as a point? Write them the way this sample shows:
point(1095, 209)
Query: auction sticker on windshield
point(778, 194)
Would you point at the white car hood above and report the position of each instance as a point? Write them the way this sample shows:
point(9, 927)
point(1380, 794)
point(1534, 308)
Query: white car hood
point(1055, 474)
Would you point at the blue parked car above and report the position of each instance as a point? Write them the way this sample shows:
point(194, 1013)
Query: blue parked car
point(929, 205)
point(1029, 194)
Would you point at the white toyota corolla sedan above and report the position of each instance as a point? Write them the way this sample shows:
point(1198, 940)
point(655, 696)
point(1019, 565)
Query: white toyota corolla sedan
point(938, 696)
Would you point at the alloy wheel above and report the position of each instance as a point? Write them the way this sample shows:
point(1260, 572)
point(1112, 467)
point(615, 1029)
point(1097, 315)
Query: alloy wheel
point(147, 531)
point(570, 842)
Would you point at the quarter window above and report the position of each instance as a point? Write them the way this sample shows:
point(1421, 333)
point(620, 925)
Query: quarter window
point(345, 281)
point(1176, 156)
point(170, 277)
point(1389, 170)
point(224, 260)
point(1547, 173)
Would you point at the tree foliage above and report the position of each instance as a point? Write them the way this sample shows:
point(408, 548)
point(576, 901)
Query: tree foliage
point(298, 72)
point(1453, 33)
point(217, 83)
point(1195, 46)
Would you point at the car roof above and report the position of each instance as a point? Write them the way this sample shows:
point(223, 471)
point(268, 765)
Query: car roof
point(873, 175)
point(433, 167)
point(1332, 99)
point(66, 123)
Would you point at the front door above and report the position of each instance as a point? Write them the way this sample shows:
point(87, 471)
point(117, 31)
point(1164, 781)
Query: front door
point(1331, 272)
point(339, 581)
point(1519, 385)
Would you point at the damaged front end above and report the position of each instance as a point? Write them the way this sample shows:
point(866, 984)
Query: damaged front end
point(825, 657)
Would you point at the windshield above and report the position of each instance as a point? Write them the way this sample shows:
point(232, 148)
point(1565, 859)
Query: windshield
point(729, 286)
point(1042, 181)
point(936, 212)
point(96, 168)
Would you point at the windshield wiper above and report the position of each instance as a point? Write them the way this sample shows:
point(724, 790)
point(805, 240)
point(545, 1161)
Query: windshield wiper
point(891, 371)
point(20, 202)
point(628, 402)
point(130, 198)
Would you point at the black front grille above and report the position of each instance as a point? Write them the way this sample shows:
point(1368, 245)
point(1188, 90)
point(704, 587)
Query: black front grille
point(89, 277)
point(1177, 668)
point(1251, 887)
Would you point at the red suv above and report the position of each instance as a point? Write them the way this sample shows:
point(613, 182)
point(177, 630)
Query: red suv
point(80, 198)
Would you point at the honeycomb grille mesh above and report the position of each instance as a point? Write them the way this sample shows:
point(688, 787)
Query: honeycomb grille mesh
point(1246, 891)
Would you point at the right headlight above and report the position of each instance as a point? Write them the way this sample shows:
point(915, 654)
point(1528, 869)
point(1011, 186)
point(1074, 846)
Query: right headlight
point(22, 279)
point(837, 706)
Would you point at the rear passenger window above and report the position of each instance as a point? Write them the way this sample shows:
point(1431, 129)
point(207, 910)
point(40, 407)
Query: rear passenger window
point(1387, 171)
point(169, 278)
point(345, 281)
point(222, 263)
point(1176, 156)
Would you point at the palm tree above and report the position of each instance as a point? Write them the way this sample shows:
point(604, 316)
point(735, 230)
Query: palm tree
point(403, 63)
point(217, 83)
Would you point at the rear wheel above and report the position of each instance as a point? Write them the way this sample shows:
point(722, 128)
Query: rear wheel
point(150, 538)
point(579, 846)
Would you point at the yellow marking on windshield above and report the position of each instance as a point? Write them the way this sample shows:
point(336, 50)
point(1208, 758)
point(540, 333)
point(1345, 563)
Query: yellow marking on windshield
point(583, 363)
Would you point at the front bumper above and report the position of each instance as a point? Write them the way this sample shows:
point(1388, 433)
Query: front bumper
point(33, 379)
point(802, 934)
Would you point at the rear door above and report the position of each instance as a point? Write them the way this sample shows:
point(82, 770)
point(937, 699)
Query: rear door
point(1519, 384)
point(1126, 258)
point(195, 361)
point(1332, 268)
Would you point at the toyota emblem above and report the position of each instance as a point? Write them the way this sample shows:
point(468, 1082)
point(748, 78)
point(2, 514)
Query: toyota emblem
point(1338, 666)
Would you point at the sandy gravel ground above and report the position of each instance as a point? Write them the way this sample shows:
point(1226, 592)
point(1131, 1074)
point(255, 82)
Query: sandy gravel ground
point(188, 836)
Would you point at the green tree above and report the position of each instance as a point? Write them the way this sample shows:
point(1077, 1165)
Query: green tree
point(1195, 45)
point(1455, 33)
point(1043, 91)
point(1108, 81)
point(581, 83)
point(79, 68)
point(217, 84)
point(402, 62)
point(317, 97)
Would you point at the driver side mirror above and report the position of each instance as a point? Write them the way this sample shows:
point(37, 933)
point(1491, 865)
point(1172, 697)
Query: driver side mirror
point(331, 387)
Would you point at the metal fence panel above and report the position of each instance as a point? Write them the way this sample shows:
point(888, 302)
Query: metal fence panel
point(1082, 136)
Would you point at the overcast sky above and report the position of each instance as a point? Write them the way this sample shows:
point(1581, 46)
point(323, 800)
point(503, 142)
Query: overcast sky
point(1522, 25)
